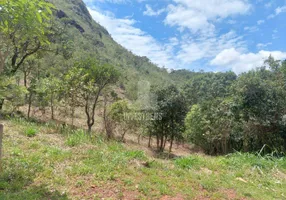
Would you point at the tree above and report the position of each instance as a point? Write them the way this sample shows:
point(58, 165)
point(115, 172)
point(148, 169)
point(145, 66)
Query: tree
point(209, 126)
point(11, 91)
point(118, 111)
point(260, 96)
point(50, 87)
point(90, 77)
point(171, 106)
point(72, 86)
point(24, 29)
point(205, 86)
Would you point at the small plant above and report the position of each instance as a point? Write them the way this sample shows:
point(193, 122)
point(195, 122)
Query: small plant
point(30, 131)
point(135, 155)
point(77, 137)
point(188, 162)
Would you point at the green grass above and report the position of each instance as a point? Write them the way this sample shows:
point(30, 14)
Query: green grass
point(70, 165)
point(77, 137)
point(30, 131)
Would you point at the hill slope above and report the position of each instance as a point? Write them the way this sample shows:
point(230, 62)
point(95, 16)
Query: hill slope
point(90, 37)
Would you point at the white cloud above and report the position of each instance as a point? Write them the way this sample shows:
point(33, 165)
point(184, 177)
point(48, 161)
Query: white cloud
point(201, 15)
point(231, 22)
point(150, 12)
point(206, 48)
point(275, 34)
point(263, 45)
point(177, 52)
point(251, 29)
point(269, 4)
point(125, 33)
point(259, 22)
point(278, 11)
point(242, 62)
point(201, 41)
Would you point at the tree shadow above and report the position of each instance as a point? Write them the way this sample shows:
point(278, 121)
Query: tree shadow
point(33, 192)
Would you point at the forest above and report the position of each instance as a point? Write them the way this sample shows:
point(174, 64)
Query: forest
point(62, 72)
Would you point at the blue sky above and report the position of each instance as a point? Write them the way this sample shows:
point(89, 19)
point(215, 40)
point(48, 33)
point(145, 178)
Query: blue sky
point(210, 35)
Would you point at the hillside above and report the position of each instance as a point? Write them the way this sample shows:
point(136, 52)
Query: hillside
point(88, 37)
point(73, 130)
point(43, 161)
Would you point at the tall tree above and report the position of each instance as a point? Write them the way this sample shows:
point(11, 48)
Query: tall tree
point(171, 106)
point(91, 78)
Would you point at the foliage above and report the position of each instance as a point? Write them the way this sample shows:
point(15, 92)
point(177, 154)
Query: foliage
point(13, 93)
point(118, 112)
point(25, 25)
point(250, 116)
point(206, 85)
point(86, 81)
point(50, 88)
point(171, 107)
point(30, 131)
point(209, 126)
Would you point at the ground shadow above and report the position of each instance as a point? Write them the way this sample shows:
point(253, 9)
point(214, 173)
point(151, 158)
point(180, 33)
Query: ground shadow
point(17, 183)
point(33, 193)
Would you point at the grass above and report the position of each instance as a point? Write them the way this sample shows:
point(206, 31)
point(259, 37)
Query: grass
point(77, 137)
point(30, 131)
point(67, 164)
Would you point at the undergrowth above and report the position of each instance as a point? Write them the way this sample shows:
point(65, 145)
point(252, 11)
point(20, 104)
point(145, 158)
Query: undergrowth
point(62, 163)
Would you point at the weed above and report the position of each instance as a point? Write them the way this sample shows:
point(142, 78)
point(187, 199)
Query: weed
point(30, 131)
point(189, 162)
point(77, 137)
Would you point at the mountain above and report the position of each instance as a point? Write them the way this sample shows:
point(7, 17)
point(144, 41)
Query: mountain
point(90, 37)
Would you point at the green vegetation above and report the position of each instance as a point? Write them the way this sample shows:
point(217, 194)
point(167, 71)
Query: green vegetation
point(73, 87)
point(76, 138)
point(171, 107)
point(47, 167)
point(248, 114)
point(24, 30)
point(30, 131)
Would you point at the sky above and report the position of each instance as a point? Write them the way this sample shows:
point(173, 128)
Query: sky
point(209, 35)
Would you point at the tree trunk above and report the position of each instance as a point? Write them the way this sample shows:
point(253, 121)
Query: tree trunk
point(171, 144)
point(25, 79)
point(1, 103)
point(138, 138)
point(165, 141)
point(149, 142)
point(52, 106)
point(162, 143)
point(72, 115)
point(89, 129)
point(90, 116)
point(30, 103)
point(158, 141)
point(1, 136)
point(107, 122)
